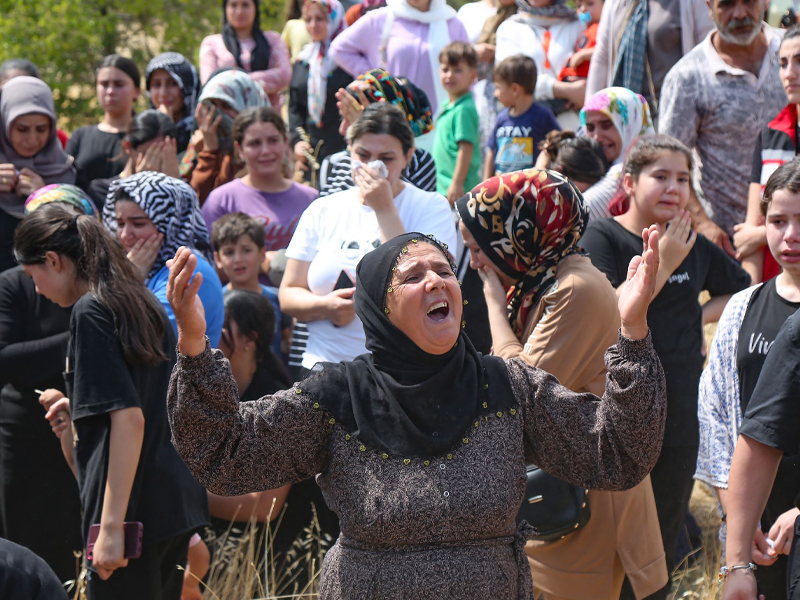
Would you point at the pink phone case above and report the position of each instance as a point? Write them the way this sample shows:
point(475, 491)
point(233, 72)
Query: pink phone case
point(133, 539)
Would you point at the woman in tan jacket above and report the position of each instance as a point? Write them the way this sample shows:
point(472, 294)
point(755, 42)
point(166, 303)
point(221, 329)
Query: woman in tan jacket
point(560, 314)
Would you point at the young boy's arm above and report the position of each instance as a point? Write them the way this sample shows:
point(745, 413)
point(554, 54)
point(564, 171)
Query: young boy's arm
point(488, 168)
point(463, 159)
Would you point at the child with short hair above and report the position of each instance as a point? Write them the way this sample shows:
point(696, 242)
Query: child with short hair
point(578, 66)
point(519, 128)
point(456, 150)
point(239, 250)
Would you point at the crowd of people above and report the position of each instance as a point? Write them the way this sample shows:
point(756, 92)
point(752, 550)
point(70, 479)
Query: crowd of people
point(363, 271)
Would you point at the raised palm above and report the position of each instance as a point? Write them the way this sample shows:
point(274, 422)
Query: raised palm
point(637, 293)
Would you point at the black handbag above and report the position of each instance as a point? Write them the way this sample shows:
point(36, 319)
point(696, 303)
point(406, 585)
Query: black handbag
point(553, 506)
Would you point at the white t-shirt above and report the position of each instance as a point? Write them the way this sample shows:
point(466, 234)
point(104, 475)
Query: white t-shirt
point(473, 15)
point(333, 235)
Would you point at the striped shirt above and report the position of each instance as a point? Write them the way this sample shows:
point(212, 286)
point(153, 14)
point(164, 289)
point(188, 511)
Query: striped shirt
point(336, 174)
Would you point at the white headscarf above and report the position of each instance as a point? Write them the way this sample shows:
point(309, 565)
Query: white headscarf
point(436, 17)
point(320, 63)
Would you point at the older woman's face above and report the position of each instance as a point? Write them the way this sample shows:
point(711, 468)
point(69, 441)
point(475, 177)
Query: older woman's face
point(133, 224)
point(425, 301)
point(602, 129)
point(28, 134)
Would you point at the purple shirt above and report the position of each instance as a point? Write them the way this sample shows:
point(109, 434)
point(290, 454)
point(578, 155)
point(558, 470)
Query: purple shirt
point(357, 49)
point(279, 212)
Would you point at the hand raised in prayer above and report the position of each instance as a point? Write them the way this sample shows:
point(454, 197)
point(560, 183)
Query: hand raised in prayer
point(182, 287)
point(637, 293)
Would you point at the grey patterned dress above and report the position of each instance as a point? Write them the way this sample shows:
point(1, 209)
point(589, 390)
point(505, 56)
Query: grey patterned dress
point(414, 528)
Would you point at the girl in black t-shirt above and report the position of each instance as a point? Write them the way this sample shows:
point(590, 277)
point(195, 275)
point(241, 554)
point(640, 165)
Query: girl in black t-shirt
point(746, 331)
point(119, 360)
point(655, 187)
point(97, 149)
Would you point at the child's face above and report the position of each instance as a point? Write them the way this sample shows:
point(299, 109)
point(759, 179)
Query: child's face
point(456, 79)
point(504, 92)
point(662, 188)
point(783, 229)
point(593, 7)
point(240, 261)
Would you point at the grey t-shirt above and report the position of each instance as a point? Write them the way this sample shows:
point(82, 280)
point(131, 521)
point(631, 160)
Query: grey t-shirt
point(664, 47)
point(719, 111)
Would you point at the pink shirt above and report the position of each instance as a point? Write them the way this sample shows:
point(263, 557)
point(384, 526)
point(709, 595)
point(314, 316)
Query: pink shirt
point(357, 49)
point(214, 55)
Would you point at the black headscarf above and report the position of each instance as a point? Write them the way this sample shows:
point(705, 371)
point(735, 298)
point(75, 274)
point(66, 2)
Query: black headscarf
point(259, 58)
point(399, 398)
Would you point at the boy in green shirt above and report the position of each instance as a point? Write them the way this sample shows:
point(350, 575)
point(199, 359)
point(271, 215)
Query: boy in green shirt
point(456, 150)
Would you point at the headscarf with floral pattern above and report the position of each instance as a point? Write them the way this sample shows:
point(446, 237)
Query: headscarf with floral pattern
point(526, 223)
point(628, 111)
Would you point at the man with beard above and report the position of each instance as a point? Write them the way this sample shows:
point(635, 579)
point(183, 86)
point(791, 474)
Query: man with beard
point(716, 100)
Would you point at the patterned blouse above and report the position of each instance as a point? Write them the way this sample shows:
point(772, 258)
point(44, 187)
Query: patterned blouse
point(413, 528)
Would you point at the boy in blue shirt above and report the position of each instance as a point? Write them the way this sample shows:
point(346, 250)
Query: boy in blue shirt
point(514, 141)
point(456, 150)
point(239, 251)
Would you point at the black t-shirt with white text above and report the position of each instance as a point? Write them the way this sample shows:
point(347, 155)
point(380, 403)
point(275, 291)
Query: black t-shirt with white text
point(675, 316)
point(165, 497)
point(766, 313)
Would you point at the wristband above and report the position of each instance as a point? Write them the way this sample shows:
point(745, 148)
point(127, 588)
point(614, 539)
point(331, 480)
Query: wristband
point(725, 571)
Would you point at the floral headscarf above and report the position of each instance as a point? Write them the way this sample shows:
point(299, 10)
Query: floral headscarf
point(628, 111)
point(172, 206)
point(60, 192)
point(320, 63)
point(185, 75)
point(526, 222)
point(406, 96)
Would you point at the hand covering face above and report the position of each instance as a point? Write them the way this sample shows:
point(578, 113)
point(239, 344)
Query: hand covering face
point(170, 204)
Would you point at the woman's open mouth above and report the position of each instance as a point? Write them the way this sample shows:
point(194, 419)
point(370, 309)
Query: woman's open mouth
point(439, 311)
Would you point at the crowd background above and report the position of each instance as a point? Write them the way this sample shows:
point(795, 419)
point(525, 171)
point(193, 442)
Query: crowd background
point(287, 144)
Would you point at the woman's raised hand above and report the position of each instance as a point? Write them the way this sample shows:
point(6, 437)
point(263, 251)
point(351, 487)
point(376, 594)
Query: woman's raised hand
point(182, 291)
point(635, 297)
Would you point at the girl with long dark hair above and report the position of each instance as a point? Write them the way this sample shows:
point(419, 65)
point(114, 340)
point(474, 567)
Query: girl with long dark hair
point(119, 359)
point(242, 43)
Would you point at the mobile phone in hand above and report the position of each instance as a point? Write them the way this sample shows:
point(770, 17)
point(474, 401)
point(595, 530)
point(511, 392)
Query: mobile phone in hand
point(133, 539)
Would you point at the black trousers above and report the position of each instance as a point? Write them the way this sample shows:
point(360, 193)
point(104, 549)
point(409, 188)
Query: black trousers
point(673, 480)
point(154, 575)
